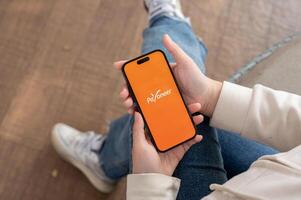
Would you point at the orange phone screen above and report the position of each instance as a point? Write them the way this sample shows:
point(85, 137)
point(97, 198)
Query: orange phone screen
point(159, 100)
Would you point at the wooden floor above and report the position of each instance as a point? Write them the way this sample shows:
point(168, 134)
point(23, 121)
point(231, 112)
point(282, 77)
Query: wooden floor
point(56, 66)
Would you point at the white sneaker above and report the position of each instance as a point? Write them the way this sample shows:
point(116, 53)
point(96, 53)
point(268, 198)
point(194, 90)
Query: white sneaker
point(167, 7)
point(77, 148)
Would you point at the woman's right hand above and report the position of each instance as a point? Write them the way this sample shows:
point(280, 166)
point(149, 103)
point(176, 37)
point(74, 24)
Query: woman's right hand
point(194, 85)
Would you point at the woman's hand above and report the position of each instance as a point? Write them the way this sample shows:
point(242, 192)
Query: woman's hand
point(146, 159)
point(194, 85)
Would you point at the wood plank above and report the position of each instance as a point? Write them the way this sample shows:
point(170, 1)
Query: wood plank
point(235, 31)
point(56, 65)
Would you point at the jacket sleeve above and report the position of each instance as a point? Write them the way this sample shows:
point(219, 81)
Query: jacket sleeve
point(269, 116)
point(274, 177)
point(151, 186)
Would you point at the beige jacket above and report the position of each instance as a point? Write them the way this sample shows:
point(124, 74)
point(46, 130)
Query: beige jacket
point(269, 116)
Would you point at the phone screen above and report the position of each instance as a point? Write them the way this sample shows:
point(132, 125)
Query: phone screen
point(159, 100)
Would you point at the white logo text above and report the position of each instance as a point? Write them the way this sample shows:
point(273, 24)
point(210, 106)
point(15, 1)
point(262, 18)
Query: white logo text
point(158, 95)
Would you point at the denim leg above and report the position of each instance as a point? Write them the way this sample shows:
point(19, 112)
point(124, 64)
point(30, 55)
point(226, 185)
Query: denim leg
point(239, 153)
point(181, 32)
point(201, 166)
point(115, 154)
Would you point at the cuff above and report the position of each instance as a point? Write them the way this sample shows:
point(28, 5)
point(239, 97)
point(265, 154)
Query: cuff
point(152, 186)
point(232, 107)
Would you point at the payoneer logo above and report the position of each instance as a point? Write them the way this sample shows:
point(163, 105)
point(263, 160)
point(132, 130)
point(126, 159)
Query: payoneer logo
point(158, 95)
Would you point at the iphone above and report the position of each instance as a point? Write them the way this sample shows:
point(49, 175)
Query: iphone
point(157, 96)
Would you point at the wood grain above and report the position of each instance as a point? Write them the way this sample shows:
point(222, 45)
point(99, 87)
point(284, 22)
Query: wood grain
point(56, 66)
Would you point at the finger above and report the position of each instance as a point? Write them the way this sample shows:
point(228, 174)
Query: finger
point(172, 65)
point(198, 119)
point(178, 54)
point(194, 107)
point(195, 140)
point(138, 128)
point(182, 149)
point(128, 103)
point(119, 64)
point(124, 94)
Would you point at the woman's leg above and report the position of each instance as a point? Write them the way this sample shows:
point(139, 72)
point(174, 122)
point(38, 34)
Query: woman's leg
point(201, 166)
point(218, 157)
point(115, 155)
point(181, 32)
point(239, 153)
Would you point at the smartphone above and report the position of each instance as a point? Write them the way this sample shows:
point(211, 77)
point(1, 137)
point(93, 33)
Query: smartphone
point(157, 96)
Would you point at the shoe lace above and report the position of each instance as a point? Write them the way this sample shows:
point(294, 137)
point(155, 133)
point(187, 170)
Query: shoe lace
point(157, 2)
point(87, 144)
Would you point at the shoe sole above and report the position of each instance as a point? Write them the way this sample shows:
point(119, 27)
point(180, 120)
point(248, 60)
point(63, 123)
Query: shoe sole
point(98, 184)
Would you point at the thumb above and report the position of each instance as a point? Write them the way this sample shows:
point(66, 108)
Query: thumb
point(138, 129)
point(178, 54)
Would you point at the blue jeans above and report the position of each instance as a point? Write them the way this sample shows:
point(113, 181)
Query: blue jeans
point(218, 157)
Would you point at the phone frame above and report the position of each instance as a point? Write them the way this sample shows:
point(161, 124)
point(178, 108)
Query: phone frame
point(132, 94)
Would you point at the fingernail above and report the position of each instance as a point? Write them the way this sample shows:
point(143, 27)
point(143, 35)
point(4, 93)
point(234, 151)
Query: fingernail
point(169, 38)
